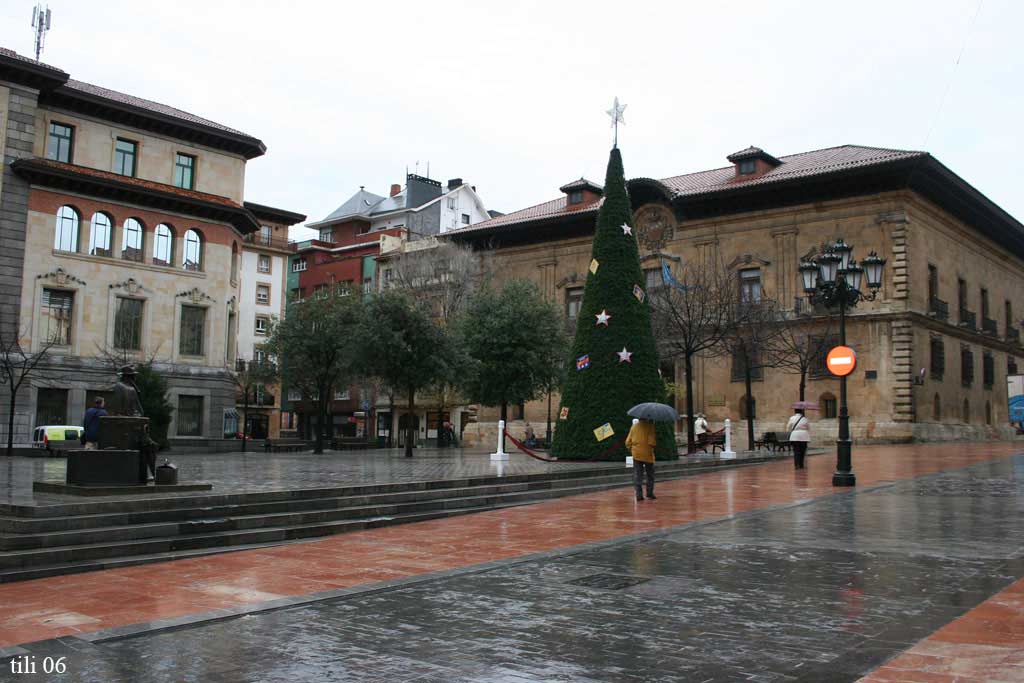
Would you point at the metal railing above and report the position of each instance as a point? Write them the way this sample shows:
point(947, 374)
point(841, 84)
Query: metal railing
point(938, 309)
point(273, 242)
point(1013, 335)
point(968, 319)
point(802, 305)
point(990, 326)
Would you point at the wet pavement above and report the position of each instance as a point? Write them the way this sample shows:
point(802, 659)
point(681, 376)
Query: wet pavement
point(258, 471)
point(798, 583)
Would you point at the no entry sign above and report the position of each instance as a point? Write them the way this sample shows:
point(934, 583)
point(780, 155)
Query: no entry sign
point(841, 361)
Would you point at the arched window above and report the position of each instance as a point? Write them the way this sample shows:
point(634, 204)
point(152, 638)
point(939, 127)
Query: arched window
point(132, 240)
point(66, 234)
point(192, 254)
point(988, 412)
point(966, 416)
point(827, 404)
point(99, 238)
point(234, 261)
point(937, 408)
point(163, 245)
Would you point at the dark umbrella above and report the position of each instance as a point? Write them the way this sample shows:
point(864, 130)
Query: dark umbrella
point(656, 412)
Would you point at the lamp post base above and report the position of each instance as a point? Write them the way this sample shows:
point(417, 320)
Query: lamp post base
point(844, 479)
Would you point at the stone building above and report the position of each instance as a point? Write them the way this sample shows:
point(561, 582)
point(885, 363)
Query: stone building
point(927, 369)
point(123, 226)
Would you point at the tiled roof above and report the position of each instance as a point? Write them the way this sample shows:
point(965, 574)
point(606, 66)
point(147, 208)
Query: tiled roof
point(582, 184)
point(804, 165)
point(7, 52)
point(141, 103)
point(135, 182)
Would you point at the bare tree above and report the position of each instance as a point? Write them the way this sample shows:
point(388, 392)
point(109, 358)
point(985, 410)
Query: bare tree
point(691, 316)
point(439, 276)
point(750, 342)
point(802, 342)
point(248, 377)
point(18, 365)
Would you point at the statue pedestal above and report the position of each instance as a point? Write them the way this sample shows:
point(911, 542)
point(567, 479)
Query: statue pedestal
point(112, 467)
point(122, 432)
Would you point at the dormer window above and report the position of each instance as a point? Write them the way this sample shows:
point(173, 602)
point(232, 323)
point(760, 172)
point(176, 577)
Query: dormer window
point(746, 162)
point(576, 197)
point(747, 166)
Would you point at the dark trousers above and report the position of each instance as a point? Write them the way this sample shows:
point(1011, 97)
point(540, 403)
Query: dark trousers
point(639, 469)
point(799, 451)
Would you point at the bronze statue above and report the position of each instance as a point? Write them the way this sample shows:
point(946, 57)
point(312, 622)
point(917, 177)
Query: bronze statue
point(126, 394)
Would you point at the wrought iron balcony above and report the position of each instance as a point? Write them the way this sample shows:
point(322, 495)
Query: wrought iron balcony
point(968, 319)
point(1013, 335)
point(990, 326)
point(803, 305)
point(938, 309)
point(272, 242)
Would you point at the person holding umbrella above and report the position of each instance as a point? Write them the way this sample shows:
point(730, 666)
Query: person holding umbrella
point(642, 440)
point(799, 432)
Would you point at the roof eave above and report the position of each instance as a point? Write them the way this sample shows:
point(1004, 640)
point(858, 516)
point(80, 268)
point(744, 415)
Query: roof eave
point(273, 214)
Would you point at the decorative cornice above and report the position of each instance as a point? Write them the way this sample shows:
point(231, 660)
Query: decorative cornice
point(131, 285)
point(570, 279)
point(196, 295)
point(61, 277)
point(892, 217)
point(748, 259)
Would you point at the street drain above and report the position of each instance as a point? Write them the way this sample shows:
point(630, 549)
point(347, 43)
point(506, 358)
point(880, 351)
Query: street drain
point(610, 582)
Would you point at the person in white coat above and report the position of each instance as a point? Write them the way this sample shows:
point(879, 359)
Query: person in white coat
point(799, 435)
point(700, 425)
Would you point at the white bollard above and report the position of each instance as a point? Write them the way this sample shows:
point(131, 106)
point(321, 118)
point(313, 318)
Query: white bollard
point(500, 455)
point(629, 458)
point(728, 453)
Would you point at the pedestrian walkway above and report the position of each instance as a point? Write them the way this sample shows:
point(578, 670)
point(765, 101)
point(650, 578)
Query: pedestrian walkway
point(84, 603)
point(782, 579)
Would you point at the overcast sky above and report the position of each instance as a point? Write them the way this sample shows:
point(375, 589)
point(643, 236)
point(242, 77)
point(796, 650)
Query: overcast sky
point(511, 95)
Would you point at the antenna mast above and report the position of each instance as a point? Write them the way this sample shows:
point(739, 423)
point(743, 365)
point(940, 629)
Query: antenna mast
point(41, 23)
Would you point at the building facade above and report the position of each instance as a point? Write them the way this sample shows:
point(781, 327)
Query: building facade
point(933, 350)
point(125, 225)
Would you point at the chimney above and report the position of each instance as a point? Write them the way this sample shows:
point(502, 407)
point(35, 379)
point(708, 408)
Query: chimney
point(395, 189)
point(453, 183)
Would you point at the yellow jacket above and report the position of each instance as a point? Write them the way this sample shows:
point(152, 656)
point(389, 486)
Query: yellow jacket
point(641, 441)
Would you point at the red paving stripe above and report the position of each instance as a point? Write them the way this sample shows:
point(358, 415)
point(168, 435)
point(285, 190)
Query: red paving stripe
point(986, 644)
point(83, 603)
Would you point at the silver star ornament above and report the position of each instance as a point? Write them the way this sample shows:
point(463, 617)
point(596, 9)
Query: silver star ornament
point(626, 230)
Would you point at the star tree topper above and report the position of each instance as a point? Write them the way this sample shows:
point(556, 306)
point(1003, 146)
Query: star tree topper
point(603, 317)
point(616, 115)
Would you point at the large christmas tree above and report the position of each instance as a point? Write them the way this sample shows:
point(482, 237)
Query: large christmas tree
point(614, 362)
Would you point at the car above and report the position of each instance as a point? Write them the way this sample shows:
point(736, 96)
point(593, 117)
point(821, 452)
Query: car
point(57, 437)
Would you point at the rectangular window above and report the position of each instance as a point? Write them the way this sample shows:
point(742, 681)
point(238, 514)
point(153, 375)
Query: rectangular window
point(193, 330)
point(295, 394)
point(820, 345)
point(259, 356)
point(938, 359)
point(190, 415)
point(266, 234)
point(748, 166)
point(262, 325)
point(653, 279)
point(453, 203)
point(1008, 314)
point(298, 265)
point(57, 306)
point(128, 324)
point(988, 370)
point(739, 361)
point(345, 288)
point(326, 235)
point(124, 157)
point(60, 142)
point(52, 407)
point(573, 302)
point(368, 286)
point(750, 285)
point(984, 304)
point(184, 171)
point(576, 196)
point(297, 294)
point(320, 291)
point(966, 367)
point(342, 394)
point(1011, 366)
point(263, 263)
point(961, 294)
point(263, 295)
point(829, 408)
point(465, 219)
point(933, 282)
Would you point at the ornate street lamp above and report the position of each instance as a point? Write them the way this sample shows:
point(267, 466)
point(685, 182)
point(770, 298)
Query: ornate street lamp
point(834, 280)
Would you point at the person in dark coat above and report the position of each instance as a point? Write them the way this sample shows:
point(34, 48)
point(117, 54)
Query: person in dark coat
point(91, 435)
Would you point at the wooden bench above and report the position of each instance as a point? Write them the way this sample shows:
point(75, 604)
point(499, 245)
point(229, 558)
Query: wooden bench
point(712, 439)
point(774, 441)
point(286, 445)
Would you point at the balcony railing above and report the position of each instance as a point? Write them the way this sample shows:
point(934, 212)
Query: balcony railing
point(990, 326)
point(255, 401)
point(938, 309)
point(802, 305)
point(968, 319)
point(1013, 335)
point(272, 242)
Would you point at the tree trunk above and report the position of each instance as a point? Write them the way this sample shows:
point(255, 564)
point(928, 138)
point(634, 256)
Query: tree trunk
point(803, 382)
point(410, 428)
point(504, 418)
point(750, 407)
point(440, 418)
point(691, 440)
point(321, 409)
point(10, 424)
point(392, 418)
point(547, 434)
